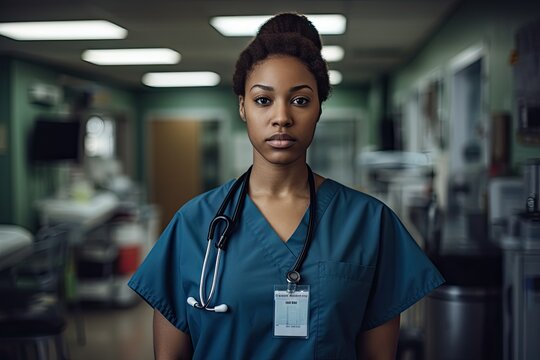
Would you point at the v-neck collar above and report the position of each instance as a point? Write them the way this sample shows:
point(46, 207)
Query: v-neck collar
point(283, 254)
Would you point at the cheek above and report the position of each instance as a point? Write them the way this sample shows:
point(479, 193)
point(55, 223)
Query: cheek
point(310, 122)
point(311, 131)
point(252, 132)
point(250, 114)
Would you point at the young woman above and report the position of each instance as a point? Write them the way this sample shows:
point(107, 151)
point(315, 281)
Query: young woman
point(310, 268)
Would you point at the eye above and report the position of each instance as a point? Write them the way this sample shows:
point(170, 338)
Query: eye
point(262, 100)
point(301, 101)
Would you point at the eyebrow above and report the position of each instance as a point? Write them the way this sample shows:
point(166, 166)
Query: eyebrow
point(270, 88)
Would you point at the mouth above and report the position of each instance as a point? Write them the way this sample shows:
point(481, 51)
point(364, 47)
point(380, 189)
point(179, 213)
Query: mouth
point(281, 141)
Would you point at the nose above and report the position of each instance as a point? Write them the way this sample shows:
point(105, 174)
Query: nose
point(282, 117)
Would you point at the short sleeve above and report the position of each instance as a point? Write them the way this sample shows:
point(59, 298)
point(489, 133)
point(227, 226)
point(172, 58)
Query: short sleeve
point(157, 279)
point(403, 274)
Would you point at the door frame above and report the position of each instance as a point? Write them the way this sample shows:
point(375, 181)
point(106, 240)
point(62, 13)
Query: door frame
point(458, 63)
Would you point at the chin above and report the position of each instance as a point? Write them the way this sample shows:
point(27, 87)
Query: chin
point(280, 157)
point(284, 160)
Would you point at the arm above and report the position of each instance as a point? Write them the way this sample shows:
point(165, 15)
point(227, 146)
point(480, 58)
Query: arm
point(169, 342)
point(379, 343)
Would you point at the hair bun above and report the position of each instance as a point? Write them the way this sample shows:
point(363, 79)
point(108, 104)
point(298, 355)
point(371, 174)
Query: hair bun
point(291, 23)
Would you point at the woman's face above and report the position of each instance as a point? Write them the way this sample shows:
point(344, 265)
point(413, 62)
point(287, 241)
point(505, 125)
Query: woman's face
point(281, 109)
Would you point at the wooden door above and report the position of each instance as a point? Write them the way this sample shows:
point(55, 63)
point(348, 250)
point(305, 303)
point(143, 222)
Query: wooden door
point(175, 164)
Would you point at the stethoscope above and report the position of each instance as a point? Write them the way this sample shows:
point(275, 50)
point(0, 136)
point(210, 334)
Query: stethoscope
point(293, 276)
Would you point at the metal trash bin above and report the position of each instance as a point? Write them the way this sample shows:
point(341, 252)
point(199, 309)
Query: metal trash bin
point(464, 316)
point(463, 323)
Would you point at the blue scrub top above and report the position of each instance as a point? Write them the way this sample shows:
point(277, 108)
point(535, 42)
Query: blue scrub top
point(363, 269)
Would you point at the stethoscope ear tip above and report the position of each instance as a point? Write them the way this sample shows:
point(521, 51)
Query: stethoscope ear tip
point(221, 308)
point(191, 301)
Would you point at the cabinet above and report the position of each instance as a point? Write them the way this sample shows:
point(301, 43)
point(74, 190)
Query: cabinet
point(521, 301)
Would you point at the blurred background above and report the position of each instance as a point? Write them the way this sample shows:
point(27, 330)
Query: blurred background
point(435, 110)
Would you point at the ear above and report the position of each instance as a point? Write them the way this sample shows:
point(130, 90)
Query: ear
point(241, 108)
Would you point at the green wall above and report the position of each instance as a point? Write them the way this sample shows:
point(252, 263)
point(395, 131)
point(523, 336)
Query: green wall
point(489, 23)
point(188, 99)
point(26, 181)
point(6, 214)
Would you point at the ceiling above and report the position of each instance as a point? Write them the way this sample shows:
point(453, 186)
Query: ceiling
point(380, 35)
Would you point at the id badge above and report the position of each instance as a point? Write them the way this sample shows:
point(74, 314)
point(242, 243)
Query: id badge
point(291, 311)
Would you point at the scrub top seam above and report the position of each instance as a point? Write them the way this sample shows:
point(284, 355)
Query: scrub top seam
point(325, 199)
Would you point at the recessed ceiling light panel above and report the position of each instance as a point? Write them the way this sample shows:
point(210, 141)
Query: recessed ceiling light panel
point(63, 30)
point(131, 56)
point(335, 77)
point(333, 53)
point(328, 24)
point(333, 24)
point(238, 25)
point(181, 79)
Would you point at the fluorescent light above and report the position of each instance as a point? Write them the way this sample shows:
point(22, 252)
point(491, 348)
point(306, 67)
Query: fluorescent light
point(333, 53)
point(131, 56)
point(63, 30)
point(335, 77)
point(181, 79)
point(238, 25)
point(331, 24)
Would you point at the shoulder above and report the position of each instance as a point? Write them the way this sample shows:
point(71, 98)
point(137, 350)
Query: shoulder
point(207, 201)
point(352, 205)
point(348, 196)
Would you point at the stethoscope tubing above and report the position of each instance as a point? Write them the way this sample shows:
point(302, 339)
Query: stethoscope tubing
point(222, 241)
point(311, 226)
point(204, 303)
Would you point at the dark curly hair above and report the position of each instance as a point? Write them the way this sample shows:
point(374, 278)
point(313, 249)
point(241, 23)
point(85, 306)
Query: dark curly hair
point(285, 34)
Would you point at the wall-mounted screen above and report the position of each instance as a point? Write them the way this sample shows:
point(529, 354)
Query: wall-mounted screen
point(55, 140)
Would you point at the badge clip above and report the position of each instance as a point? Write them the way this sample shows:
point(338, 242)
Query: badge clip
point(293, 277)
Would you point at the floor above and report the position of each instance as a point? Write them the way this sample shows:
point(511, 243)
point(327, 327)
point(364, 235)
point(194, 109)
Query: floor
point(112, 333)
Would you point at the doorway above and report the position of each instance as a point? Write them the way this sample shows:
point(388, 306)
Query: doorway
point(183, 162)
point(465, 223)
point(468, 142)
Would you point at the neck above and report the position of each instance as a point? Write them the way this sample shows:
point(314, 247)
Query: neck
point(270, 180)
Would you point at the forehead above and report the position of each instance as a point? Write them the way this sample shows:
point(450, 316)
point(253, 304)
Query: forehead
point(280, 70)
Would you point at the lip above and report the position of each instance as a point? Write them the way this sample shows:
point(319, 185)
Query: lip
point(281, 141)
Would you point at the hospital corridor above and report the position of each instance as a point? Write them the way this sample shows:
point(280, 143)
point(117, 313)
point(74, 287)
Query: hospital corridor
point(153, 155)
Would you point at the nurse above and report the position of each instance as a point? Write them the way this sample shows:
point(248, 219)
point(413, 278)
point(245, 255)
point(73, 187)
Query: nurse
point(311, 269)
